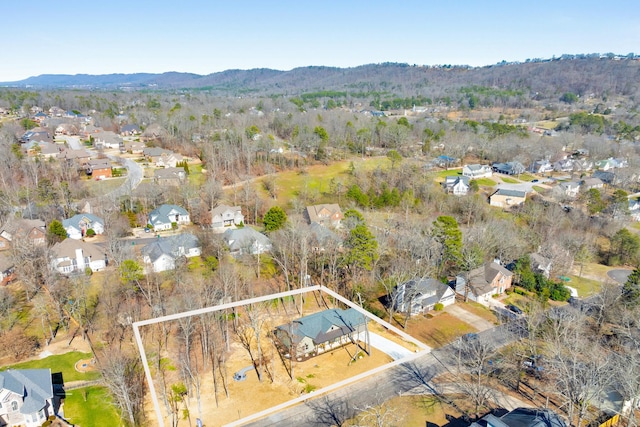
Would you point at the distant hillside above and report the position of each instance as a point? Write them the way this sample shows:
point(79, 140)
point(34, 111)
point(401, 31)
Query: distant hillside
point(583, 75)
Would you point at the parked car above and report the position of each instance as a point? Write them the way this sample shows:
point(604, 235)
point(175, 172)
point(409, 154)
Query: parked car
point(514, 309)
point(534, 180)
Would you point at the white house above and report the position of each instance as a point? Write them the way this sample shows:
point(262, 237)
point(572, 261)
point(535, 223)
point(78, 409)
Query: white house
point(477, 171)
point(70, 256)
point(541, 166)
point(226, 216)
point(78, 225)
point(422, 295)
point(570, 188)
point(456, 185)
point(163, 217)
point(162, 254)
point(246, 240)
point(26, 397)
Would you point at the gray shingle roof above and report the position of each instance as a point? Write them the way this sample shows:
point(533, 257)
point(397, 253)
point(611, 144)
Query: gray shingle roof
point(318, 326)
point(33, 384)
point(170, 245)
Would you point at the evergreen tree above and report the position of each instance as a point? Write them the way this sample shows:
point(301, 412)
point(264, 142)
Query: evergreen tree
point(274, 219)
point(631, 289)
point(56, 232)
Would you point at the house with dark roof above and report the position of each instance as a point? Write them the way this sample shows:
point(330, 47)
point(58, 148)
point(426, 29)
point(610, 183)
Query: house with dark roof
point(509, 168)
point(98, 168)
point(505, 198)
point(162, 254)
point(522, 417)
point(320, 332)
point(328, 215)
point(246, 240)
point(26, 397)
point(71, 256)
point(78, 225)
point(445, 161)
point(163, 217)
point(420, 296)
point(482, 283)
point(130, 130)
point(223, 216)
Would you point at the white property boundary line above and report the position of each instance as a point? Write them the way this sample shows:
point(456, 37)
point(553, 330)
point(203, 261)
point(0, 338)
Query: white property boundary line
point(147, 371)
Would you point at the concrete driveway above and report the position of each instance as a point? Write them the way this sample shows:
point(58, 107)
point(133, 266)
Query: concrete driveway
point(467, 317)
point(396, 351)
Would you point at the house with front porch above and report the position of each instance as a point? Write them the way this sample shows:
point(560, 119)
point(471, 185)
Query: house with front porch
point(421, 296)
point(164, 216)
point(74, 256)
point(456, 185)
point(477, 171)
point(320, 332)
point(78, 225)
point(223, 216)
point(482, 283)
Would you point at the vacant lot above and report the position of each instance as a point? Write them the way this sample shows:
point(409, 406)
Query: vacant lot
point(439, 330)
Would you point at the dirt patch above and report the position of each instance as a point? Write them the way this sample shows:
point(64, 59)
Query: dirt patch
point(85, 365)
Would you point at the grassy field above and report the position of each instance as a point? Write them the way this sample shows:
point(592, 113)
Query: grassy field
point(479, 310)
point(98, 188)
point(539, 189)
point(60, 363)
point(442, 175)
point(584, 286)
point(509, 180)
point(526, 177)
point(439, 330)
point(90, 407)
point(317, 178)
point(485, 182)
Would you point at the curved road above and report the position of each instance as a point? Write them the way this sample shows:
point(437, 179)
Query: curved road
point(619, 275)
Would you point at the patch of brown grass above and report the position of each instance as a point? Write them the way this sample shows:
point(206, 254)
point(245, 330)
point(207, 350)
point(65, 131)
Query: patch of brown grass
point(439, 330)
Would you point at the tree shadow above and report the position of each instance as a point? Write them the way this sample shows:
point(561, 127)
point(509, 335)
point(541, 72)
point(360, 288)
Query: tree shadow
point(330, 412)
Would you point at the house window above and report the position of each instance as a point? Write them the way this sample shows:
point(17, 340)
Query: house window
point(14, 405)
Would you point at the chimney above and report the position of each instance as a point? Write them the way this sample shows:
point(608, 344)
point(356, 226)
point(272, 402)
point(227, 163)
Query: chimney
point(80, 259)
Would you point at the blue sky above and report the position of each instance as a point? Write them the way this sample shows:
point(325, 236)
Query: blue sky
point(71, 37)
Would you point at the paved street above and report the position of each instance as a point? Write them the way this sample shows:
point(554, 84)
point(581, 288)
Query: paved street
point(406, 378)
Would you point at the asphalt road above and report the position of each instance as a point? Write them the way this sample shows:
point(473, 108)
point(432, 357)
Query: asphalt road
point(619, 275)
point(407, 378)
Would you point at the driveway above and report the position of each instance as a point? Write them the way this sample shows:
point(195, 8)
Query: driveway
point(619, 275)
point(396, 351)
point(467, 317)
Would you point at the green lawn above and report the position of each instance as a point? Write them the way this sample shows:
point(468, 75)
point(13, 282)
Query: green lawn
point(584, 286)
point(317, 178)
point(526, 177)
point(510, 180)
point(636, 225)
point(485, 182)
point(442, 175)
point(95, 411)
point(60, 363)
point(539, 189)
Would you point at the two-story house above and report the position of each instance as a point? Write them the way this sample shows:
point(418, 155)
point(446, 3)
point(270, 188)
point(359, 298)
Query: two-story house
point(164, 216)
point(223, 216)
point(483, 282)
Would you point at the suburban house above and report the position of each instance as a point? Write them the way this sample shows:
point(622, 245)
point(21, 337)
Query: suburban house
point(606, 177)
point(589, 183)
point(509, 168)
point(328, 215)
point(541, 264)
point(42, 149)
point(26, 397)
point(456, 185)
point(70, 256)
point(226, 216)
point(163, 217)
point(246, 240)
point(421, 296)
point(162, 254)
point(320, 332)
point(570, 188)
point(483, 282)
point(78, 225)
point(505, 198)
point(445, 161)
point(611, 163)
point(66, 129)
point(522, 417)
point(106, 139)
point(477, 171)
point(634, 209)
point(582, 165)
point(541, 167)
point(322, 237)
point(31, 230)
point(6, 268)
point(563, 165)
point(130, 130)
point(133, 147)
point(79, 157)
point(36, 134)
point(98, 168)
point(169, 176)
point(161, 157)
